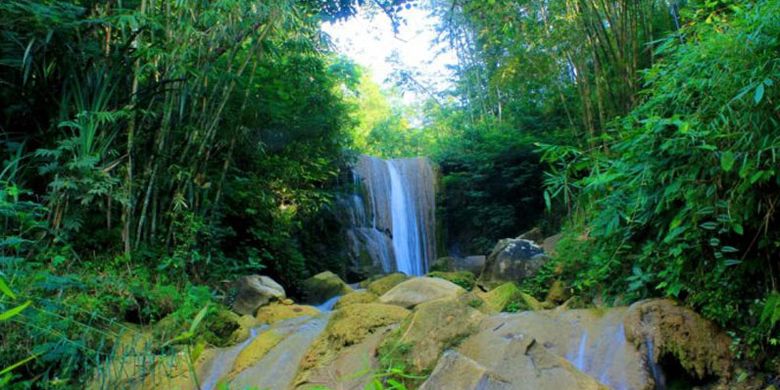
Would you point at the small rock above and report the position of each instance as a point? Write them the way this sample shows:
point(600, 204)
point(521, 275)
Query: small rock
point(254, 291)
point(287, 301)
point(323, 286)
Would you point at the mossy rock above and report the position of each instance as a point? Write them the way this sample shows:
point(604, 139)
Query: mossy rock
point(700, 346)
point(255, 351)
point(558, 293)
point(464, 279)
point(432, 328)
point(245, 325)
point(217, 329)
point(508, 297)
point(385, 283)
point(276, 312)
point(323, 286)
point(349, 326)
point(356, 297)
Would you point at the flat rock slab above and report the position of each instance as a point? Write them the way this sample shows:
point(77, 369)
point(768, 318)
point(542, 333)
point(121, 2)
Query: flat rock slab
point(278, 368)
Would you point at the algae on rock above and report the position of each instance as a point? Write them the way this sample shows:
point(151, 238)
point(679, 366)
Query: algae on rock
point(501, 297)
point(701, 348)
point(356, 297)
point(349, 326)
point(323, 286)
point(276, 312)
point(385, 283)
point(432, 328)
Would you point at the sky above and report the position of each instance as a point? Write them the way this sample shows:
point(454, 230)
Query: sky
point(369, 40)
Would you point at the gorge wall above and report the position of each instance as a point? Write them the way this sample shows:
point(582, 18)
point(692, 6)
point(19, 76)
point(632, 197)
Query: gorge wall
point(391, 216)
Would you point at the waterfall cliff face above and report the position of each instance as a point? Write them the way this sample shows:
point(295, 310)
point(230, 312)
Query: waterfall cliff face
point(391, 218)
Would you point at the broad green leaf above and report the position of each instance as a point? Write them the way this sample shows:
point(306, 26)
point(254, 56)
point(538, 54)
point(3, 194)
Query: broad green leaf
point(732, 262)
point(17, 364)
point(199, 318)
point(738, 229)
point(727, 161)
point(6, 290)
point(13, 312)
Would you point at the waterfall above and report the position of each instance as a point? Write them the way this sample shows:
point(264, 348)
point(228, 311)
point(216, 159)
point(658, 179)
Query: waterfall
point(391, 219)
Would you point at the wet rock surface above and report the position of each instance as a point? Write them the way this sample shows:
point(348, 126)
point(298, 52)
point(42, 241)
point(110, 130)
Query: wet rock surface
point(450, 339)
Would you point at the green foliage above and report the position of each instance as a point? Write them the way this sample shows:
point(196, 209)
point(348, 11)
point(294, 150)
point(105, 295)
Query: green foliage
point(680, 200)
point(393, 374)
point(491, 184)
point(149, 149)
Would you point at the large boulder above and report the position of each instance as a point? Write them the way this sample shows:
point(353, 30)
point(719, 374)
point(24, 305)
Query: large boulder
point(415, 291)
point(433, 327)
point(353, 368)
point(661, 329)
point(323, 286)
point(254, 291)
point(512, 259)
point(348, 326)
point(593, 341)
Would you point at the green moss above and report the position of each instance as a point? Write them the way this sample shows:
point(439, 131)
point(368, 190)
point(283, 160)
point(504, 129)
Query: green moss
point(356, 297)
point(385, 283)
point(324, 286)
point(349, 326)
point(464, 279)
point(508, 297)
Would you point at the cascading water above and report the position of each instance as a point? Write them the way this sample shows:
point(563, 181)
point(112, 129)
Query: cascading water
point(391, 222)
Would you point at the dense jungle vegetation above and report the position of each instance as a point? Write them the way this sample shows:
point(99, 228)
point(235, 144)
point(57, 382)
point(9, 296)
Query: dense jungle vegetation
point(155, 150)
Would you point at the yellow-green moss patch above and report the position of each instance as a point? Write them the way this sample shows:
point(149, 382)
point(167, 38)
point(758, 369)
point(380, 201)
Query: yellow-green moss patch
point(385, 283)
point(356, 297)
point(255, 351)
point(276, 312)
